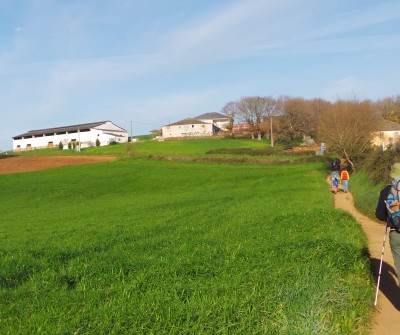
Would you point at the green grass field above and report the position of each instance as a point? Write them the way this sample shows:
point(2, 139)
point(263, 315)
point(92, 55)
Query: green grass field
point(192, 148)
point(156, 247)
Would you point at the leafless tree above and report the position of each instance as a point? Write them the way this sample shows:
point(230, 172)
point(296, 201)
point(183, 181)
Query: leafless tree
point(230, 111)
point(253, 111)
point(347, 128)
point(388, 108)
point(296, 121)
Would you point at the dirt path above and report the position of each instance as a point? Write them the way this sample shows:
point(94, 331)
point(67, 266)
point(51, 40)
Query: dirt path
point(23, 163)
point(387, 315)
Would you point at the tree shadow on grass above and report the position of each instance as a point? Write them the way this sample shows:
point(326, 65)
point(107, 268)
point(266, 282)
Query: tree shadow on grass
point(388, 283)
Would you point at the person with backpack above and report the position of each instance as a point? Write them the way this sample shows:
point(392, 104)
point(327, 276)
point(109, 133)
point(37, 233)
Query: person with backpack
point(334, 181)
point(388, 210)
point(344, 177)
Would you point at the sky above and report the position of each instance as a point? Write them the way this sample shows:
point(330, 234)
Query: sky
point(145, 63)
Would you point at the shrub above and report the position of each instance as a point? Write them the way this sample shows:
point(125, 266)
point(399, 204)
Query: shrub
point(378, 164)
point(97, 142)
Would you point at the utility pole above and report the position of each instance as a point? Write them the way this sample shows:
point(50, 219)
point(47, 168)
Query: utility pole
point(131, 130)
point(79, 140)
point(272, 134)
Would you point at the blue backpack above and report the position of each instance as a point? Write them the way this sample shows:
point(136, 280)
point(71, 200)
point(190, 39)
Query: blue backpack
point(393, 204)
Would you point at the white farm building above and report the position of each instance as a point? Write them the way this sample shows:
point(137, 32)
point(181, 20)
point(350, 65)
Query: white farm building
point(188, 128)
point(204, 125)
point(86, 134)
point(219, 120)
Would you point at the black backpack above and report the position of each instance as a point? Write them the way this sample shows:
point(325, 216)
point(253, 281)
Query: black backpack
point(393, 204)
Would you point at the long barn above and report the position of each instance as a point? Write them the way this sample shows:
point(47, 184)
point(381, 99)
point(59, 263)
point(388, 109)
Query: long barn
point(84, 134)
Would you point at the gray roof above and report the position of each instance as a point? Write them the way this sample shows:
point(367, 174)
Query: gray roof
point(187, 121)
point(389, 126)
point(211, 116)
point(51, 131)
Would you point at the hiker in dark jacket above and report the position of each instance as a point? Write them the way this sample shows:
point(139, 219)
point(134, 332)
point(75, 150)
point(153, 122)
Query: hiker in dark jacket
point(394, 237)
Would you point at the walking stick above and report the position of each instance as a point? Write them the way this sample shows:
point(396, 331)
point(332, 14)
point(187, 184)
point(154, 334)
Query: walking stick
point(380, 266)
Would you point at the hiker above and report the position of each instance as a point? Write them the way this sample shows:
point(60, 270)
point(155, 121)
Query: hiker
point(333, 164)
point(381, 214)
point(344, 177)
point(338, 164)
point(334, 181)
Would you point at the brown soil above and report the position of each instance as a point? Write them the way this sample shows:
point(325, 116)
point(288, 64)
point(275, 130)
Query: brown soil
point(23, 164)
point(387, 314)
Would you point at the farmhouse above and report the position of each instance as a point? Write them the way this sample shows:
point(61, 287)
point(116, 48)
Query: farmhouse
point(188, 128)
point(389, 134)
point(84, 134)
point(217, 119)
point(203, 125)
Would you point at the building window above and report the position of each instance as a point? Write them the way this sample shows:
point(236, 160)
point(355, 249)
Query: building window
point(192, 125)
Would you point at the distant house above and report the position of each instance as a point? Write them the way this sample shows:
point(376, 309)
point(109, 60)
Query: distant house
point(389, 134)
point(188, 128)
point(219, 120)
point(86, 134)
point(203, 125)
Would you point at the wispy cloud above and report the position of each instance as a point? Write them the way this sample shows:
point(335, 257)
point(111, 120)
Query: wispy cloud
point(59, 58)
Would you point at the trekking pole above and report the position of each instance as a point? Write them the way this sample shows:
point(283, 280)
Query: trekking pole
point(380, 266)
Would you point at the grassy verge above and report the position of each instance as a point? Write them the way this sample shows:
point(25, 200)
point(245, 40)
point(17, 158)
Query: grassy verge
point(154, 247)
point(365, 193)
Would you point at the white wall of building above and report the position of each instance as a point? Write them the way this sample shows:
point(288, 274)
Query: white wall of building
point(106, 133)
point(220, 124)
point(187, 130)
point(385, 138)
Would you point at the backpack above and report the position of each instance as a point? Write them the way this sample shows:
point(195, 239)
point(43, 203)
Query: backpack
point(393, 203)
point(345, 175)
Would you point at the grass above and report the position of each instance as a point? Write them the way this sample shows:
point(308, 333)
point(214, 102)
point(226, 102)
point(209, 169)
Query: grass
point(160, 247)
point(366, 194)
point(198, 148)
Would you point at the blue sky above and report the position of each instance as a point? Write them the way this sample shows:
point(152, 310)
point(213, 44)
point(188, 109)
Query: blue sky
point(153, 62)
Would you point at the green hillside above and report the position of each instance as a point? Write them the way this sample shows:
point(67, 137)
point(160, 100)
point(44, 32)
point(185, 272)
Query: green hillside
point(138, 246)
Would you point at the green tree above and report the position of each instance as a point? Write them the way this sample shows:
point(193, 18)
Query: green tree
point(97, 142)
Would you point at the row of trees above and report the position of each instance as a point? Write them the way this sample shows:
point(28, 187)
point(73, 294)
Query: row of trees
point(345, 126)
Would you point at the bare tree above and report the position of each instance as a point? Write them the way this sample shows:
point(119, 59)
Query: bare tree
point(316, 108)
point(388, 108)
point(347, 127)
point(253, 111)
point(230, 111)
point(297, 120)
